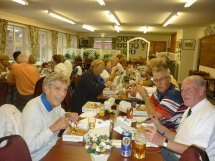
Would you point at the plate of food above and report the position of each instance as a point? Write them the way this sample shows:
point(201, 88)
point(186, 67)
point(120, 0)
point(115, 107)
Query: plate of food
point(140, 110)
point(74, 134)
point(91, 106)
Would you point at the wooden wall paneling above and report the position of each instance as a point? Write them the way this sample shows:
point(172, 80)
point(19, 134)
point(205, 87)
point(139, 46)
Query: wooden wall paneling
point(207, 51)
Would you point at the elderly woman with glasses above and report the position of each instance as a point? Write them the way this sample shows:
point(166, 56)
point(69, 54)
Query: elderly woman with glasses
point(88, 87)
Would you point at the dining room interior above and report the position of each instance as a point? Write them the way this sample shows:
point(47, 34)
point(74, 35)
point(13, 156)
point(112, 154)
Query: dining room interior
point(100, 68)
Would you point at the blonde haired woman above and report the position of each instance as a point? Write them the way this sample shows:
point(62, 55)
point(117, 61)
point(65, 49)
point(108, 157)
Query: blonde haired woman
point(88, 87)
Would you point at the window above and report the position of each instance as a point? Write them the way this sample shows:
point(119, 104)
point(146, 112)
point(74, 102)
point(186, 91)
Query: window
point(74, 42)
point(108, 45)
point(43, 42)
point(102, 43)
point(62, 43)
point(97, 44)
point(15, 40)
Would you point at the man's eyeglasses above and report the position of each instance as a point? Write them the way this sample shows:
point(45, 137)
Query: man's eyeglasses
point(160, 79)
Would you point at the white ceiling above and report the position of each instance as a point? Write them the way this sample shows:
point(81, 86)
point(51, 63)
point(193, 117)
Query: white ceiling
point(132, 14)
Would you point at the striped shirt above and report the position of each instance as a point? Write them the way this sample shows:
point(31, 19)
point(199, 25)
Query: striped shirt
point(170, 105)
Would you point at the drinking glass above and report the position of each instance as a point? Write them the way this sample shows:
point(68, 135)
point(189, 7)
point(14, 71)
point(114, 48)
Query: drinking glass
point(91, 122)
point(139, 144)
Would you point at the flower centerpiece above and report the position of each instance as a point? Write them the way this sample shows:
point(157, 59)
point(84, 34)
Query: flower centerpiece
point(98, 146)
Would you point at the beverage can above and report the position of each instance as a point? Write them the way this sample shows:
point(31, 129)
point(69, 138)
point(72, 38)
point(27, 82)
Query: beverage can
point(126, 144)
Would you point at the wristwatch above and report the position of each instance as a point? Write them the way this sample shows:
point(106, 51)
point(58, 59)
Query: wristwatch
point(164, 145)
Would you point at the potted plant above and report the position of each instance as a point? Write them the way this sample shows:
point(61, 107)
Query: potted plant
point(86, 55)
point(96, 55)
point(67, 56)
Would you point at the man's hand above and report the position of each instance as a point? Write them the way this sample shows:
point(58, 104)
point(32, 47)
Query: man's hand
point(132, 91)
point(153, 136)
point(142, 91)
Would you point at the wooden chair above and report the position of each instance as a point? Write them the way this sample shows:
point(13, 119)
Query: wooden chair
point(194, 153)
point(4, 90)
point(67, 102)
point(74, 81)
point(15, 149)
point(38, 88)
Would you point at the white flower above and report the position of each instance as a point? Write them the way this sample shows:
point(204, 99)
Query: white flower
point(98, 149)
point(108, 147)
point(102, 144)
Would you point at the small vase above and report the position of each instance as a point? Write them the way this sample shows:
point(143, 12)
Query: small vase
point(99, 157)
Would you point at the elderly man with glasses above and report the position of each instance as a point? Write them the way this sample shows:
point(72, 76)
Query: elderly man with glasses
point(166, 102)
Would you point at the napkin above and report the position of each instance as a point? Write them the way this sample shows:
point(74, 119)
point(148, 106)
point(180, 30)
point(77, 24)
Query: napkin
point(123, 124)
point(105, 74)
point(88, 114)
point(109, 103)
point(101, 128)
point(150, 144)
point(123, 105)
point(120, 69)
point(116, 143)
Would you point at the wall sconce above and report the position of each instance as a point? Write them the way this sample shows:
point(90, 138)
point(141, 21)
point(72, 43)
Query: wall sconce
point(60, 17)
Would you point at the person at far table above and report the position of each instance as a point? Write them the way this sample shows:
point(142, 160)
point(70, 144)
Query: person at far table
point(166, 102)
point(43, 117)
point(15, 56)
point(25, 76)
point(5, 65)
point(88, 87)
point(197, 126)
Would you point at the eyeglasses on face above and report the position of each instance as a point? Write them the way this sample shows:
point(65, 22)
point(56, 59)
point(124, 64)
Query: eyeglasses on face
point(160, 79)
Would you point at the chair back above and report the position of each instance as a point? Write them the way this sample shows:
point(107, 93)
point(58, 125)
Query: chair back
point(194, 153)
point(10, 120)
point(67, 102)
point(4, 90)
point(15, 149)
point(38, 87)
point(74, 81)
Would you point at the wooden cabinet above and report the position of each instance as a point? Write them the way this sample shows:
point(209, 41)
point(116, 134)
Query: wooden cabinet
point(207, 51)
point(157, 46)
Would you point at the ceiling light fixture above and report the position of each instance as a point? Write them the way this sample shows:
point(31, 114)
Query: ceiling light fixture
point(117, 28)
point(22, 2)
point(113, 18)
point(101, 2)
point(87, 27)
point(171, 19)
point(145, 29)
point(60, 17)
point(189, 3)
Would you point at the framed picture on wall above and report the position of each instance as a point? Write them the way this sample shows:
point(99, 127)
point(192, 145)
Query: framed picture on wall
point(188, 44)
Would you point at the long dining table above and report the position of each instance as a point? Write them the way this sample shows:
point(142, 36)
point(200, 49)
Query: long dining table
point(68, 151)
point(73, 151)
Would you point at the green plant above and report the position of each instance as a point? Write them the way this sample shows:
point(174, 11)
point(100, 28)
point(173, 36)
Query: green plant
point(96, 55)
point(86, 54)
point(67, 56)
point(107, 56)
